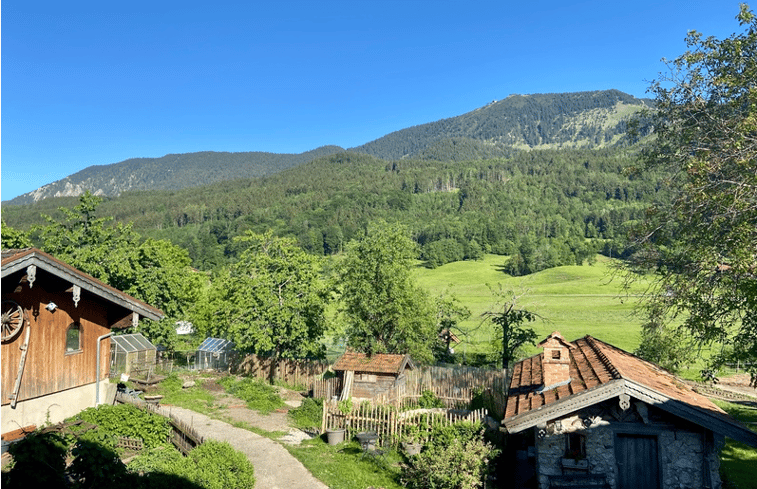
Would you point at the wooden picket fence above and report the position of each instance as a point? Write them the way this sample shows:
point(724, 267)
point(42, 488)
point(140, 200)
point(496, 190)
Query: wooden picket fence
point(302, 373)
point(454, 386)
point(389, 423)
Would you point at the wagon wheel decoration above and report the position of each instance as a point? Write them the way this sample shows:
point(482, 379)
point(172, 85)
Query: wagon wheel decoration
point(13, 320)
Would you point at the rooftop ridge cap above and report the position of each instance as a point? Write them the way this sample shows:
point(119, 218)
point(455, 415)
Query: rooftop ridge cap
point(603, 358)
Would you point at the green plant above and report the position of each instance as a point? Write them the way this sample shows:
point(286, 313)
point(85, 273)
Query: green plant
point(457, 458)
point(39, 461)
point(128, 420)
point(309, 414)
point(258, 395)
point(212, 465)
point(429, 400)
point(96, 463)
point(345, 406)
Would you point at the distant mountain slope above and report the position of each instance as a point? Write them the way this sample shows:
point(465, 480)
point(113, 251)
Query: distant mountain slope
point(543, 121)
point(171, 172)
point(557, 120)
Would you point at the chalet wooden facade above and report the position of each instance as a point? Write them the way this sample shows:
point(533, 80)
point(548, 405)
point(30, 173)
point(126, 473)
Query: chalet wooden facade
point(55, 338)
point(587, 414)
point(364, 377)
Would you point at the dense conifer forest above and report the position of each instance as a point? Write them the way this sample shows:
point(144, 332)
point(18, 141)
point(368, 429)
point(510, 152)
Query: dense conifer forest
point(543, 207)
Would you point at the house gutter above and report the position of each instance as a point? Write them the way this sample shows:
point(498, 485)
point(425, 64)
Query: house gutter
point(97, 379)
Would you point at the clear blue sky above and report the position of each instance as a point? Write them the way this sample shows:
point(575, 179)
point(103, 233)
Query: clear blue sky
point(94, 83)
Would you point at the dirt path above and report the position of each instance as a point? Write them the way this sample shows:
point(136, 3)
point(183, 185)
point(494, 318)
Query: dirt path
point(275, 467)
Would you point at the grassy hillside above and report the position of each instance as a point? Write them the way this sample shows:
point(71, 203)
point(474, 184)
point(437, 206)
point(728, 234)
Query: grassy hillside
point(575, 300)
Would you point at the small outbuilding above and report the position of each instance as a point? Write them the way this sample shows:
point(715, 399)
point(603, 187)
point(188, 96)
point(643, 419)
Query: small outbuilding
point(587, 414)
point(364, 376)
point(58, 324)
point(215, 354)
point(131, 354)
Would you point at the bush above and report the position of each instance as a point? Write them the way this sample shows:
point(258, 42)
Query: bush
point(457, 458)
point(212, 465)
point(258, 395)
point(429, 400)
point(128, 420)
point(308, 415)
point(39, 460)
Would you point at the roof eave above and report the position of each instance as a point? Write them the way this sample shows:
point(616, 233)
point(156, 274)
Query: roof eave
point(82, 280)
point(565, 406)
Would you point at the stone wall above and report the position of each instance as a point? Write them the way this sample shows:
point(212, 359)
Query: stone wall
point(689, 456)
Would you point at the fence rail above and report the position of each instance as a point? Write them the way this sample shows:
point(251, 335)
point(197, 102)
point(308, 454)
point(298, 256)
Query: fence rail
point(183, 436)
point(291, 372)
point(389, 423)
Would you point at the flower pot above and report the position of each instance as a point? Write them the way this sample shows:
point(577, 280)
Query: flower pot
point(412, 449)
point(335, 437)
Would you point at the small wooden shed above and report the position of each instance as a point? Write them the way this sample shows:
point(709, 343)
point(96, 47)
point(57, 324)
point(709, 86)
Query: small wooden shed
point(364, 376)
point(131, 353)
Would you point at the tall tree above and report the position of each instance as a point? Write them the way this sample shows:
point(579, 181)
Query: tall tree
point(512, 334)
point(270, 302)
point(702, 245)
point(386, 311)
point(156, 272)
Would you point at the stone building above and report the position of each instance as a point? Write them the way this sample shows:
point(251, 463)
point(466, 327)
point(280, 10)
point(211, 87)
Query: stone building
point(587, 414)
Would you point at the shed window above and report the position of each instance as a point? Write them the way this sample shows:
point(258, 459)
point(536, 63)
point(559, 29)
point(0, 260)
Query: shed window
point(575, 446)
point(73, 338)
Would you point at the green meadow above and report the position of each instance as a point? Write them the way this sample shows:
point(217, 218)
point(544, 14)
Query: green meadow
point(574, 300)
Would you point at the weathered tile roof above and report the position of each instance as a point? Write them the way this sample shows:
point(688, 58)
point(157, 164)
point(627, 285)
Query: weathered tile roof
point(594, 363)
point(378, 363)
point(598, 371)
point(14, 260)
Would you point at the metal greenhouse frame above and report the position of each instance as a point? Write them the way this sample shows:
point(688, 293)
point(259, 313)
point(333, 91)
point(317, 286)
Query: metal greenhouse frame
point(214, 353)
point(131, 353)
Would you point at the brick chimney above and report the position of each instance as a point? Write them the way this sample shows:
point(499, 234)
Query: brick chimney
point(555, 362)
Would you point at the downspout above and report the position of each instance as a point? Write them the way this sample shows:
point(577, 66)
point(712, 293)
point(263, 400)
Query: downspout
point(97, 380)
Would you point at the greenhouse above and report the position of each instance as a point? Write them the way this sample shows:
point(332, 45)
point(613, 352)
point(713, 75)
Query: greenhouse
point(214, 353)
point(131, 354)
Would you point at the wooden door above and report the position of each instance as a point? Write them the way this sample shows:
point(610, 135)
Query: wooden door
point(638, 462)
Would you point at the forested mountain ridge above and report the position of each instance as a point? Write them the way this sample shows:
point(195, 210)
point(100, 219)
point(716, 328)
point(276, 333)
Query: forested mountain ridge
point(557, 120)
point(171, 172)
point(543, 207)
point(569, 120)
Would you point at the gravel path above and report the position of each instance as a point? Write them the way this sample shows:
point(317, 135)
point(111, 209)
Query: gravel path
point(275, 467)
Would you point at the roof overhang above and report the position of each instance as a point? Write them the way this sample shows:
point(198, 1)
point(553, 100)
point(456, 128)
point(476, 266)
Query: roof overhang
point(43, 261)
point(713, 421)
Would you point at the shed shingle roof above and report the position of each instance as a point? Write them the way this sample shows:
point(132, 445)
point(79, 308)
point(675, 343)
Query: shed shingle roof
point(379, 363)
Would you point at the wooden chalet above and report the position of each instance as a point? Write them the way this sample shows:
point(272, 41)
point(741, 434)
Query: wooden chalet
point(363, 376)
point(55, 347)
point(588, 414)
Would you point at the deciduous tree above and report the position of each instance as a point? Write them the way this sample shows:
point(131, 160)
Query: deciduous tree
point(386, 311)
point(702, 246)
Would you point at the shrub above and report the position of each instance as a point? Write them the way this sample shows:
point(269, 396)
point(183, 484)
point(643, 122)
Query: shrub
point(212, 465)
point(128, 420)
point(457, 458)
point(429, 400)
point(258, 395)
point(39, 460)
point(308, 415)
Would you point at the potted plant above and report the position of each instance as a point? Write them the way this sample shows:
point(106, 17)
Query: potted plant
point(411, 440)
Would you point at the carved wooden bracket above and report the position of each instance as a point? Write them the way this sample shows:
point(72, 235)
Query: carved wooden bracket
point(77, 295)
point(31, 274)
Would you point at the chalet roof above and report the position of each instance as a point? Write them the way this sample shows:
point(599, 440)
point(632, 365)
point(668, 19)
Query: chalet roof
point(378, 363)
point(19, 260)
point(600, 371)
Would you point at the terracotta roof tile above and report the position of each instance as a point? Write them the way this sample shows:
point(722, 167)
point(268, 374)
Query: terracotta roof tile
point(383, 363)
point(593, 364)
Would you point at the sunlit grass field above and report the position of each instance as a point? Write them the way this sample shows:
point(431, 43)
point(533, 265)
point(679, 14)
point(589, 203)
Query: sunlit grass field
point(575, 300)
